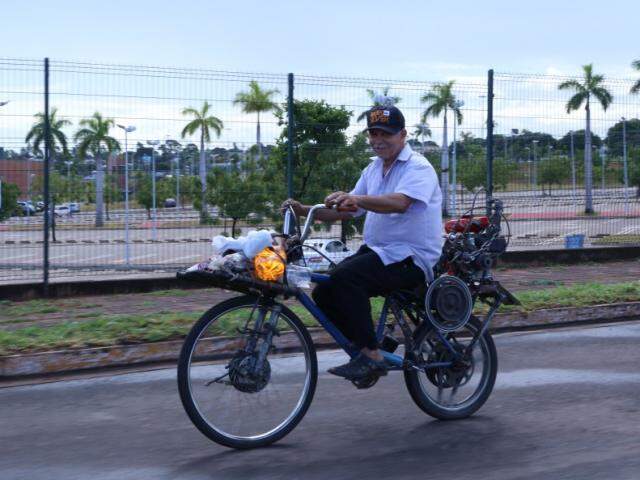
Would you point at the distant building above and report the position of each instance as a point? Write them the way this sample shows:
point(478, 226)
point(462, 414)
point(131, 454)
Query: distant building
point(21, 171)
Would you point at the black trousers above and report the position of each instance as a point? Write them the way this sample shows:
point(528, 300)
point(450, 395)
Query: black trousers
point(345, 297)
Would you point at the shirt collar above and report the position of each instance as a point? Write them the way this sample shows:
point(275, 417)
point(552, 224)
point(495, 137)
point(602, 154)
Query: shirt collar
point(403, 156)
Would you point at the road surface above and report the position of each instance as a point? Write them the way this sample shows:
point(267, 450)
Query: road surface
point(566, 406)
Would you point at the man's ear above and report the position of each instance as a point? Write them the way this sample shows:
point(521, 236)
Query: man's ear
point(403, 133)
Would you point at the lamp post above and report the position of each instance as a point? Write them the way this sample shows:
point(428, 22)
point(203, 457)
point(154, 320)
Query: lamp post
point(573, 166)
point(626, 171)
point(603, 154)
point(458, 104)
point(528, 149)
point(2, 104)
point(535, 165)
point(68, 163)
point(154, 218)
point(127, 130)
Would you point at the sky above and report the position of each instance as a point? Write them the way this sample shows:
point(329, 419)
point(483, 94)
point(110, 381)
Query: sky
point(403, 40)
point(400, 39)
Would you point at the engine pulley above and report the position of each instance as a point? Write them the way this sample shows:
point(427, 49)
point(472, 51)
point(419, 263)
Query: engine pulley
point(448, 303)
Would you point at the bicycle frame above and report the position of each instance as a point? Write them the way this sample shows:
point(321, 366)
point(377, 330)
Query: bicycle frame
point(396, 362)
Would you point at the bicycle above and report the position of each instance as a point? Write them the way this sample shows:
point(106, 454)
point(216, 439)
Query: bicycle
point(247, 371)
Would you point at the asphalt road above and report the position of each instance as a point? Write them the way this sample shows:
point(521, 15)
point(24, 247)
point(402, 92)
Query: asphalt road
point(565, 406)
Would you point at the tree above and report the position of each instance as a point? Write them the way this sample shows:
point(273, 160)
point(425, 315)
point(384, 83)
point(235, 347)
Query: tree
point(636, 86)
point(614, 138)
point(473, 173)
point(379, 99)
point(440, 100)
point(553, 171)
point(564, 143)
point(590, 87)
point(94, 138)
point(10, 194)
point(238, 192)
point(144, 191)
point(256, 100)
point(422, 130)
point(324, 160)
point(203, 122)
point(35, 137)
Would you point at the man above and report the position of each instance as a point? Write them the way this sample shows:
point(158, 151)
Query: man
point(399, 193)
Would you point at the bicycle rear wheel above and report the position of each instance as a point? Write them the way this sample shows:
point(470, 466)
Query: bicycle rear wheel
point(247, 372)
point(458, 391)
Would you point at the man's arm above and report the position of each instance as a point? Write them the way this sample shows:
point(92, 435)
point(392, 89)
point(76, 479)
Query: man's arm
point(389, 203)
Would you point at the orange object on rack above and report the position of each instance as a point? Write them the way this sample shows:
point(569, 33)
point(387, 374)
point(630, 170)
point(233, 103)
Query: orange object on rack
point(269, 265)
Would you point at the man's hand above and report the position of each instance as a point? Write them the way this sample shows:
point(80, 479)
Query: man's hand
point(345, 202)
point(298, 208)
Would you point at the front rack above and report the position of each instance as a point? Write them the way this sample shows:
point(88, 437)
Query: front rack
point(238, 282)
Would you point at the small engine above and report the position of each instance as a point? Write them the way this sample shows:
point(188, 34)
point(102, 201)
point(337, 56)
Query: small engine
point(463, 273)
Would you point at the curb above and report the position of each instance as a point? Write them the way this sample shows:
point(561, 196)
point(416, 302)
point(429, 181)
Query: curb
point(67, 361)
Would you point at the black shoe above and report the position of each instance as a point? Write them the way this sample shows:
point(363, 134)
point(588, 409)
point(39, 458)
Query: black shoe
point(360, 367)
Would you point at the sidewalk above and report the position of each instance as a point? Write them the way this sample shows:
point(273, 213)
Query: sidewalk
point(48, 312)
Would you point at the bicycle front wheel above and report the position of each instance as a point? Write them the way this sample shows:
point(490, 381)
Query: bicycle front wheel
point(247, 372)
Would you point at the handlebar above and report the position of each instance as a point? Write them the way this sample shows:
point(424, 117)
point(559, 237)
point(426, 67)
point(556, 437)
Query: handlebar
point(289, 216)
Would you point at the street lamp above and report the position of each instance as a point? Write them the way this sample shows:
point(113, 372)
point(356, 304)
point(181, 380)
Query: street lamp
point(2, 104)
point(603, 154)
point(624, 159)
point(528, 149)
point(458, 104)
point(68, 163)
point(154, 233)
point(127, 130)
point(535, 164)
point(573, 166)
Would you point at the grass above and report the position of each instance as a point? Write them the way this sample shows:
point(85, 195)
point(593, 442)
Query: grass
point(130, 329)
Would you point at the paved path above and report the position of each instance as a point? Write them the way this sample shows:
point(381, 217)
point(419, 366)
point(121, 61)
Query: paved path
point(565, 406)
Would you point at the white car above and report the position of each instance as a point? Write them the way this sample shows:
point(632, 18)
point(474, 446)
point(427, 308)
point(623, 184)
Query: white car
point(62, 211)
point(332, 248)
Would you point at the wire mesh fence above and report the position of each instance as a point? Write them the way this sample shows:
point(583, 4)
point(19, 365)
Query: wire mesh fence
point(552, 192)
point(148, 163)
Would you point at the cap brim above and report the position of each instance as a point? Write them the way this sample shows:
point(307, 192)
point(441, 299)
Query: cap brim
point(384, 129)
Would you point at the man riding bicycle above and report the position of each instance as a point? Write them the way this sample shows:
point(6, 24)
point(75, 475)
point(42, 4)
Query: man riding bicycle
point(400, 196)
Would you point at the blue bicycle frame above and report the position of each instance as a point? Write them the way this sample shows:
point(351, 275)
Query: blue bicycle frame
point(392, 359)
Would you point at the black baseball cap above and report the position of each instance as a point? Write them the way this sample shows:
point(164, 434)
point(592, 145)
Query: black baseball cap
point(386, 118)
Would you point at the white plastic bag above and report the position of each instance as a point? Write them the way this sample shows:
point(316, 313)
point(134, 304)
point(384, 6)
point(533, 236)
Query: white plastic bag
point(251, 245)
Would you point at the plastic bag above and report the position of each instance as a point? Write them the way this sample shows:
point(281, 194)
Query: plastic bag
point(251, 245)
point(298, 276)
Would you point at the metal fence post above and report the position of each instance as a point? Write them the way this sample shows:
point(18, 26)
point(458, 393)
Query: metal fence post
point(489, 187)
point(290, 138)
point(47, 165)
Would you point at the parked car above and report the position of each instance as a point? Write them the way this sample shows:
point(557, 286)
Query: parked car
point(334, 249)
point(74, 207)
point(26, 208)
point(62, 211)
point(39, 206)
point(169, 202)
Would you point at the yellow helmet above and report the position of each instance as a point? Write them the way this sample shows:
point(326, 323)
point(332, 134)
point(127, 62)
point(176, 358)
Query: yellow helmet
point(269, 265)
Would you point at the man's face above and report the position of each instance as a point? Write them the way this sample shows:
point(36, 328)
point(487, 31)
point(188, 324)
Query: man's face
point(386, 145)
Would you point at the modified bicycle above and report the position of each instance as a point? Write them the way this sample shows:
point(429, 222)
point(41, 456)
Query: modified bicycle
point(248, 369)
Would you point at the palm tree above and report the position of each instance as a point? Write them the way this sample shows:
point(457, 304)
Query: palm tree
point(379, 100)
point(257, 100)
point(35, 138)
point(94, 138)
point(422, 130)
point(440, 100)
point(58, 138)
point(205, 124)
point(636, 86)
point(591, 86)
